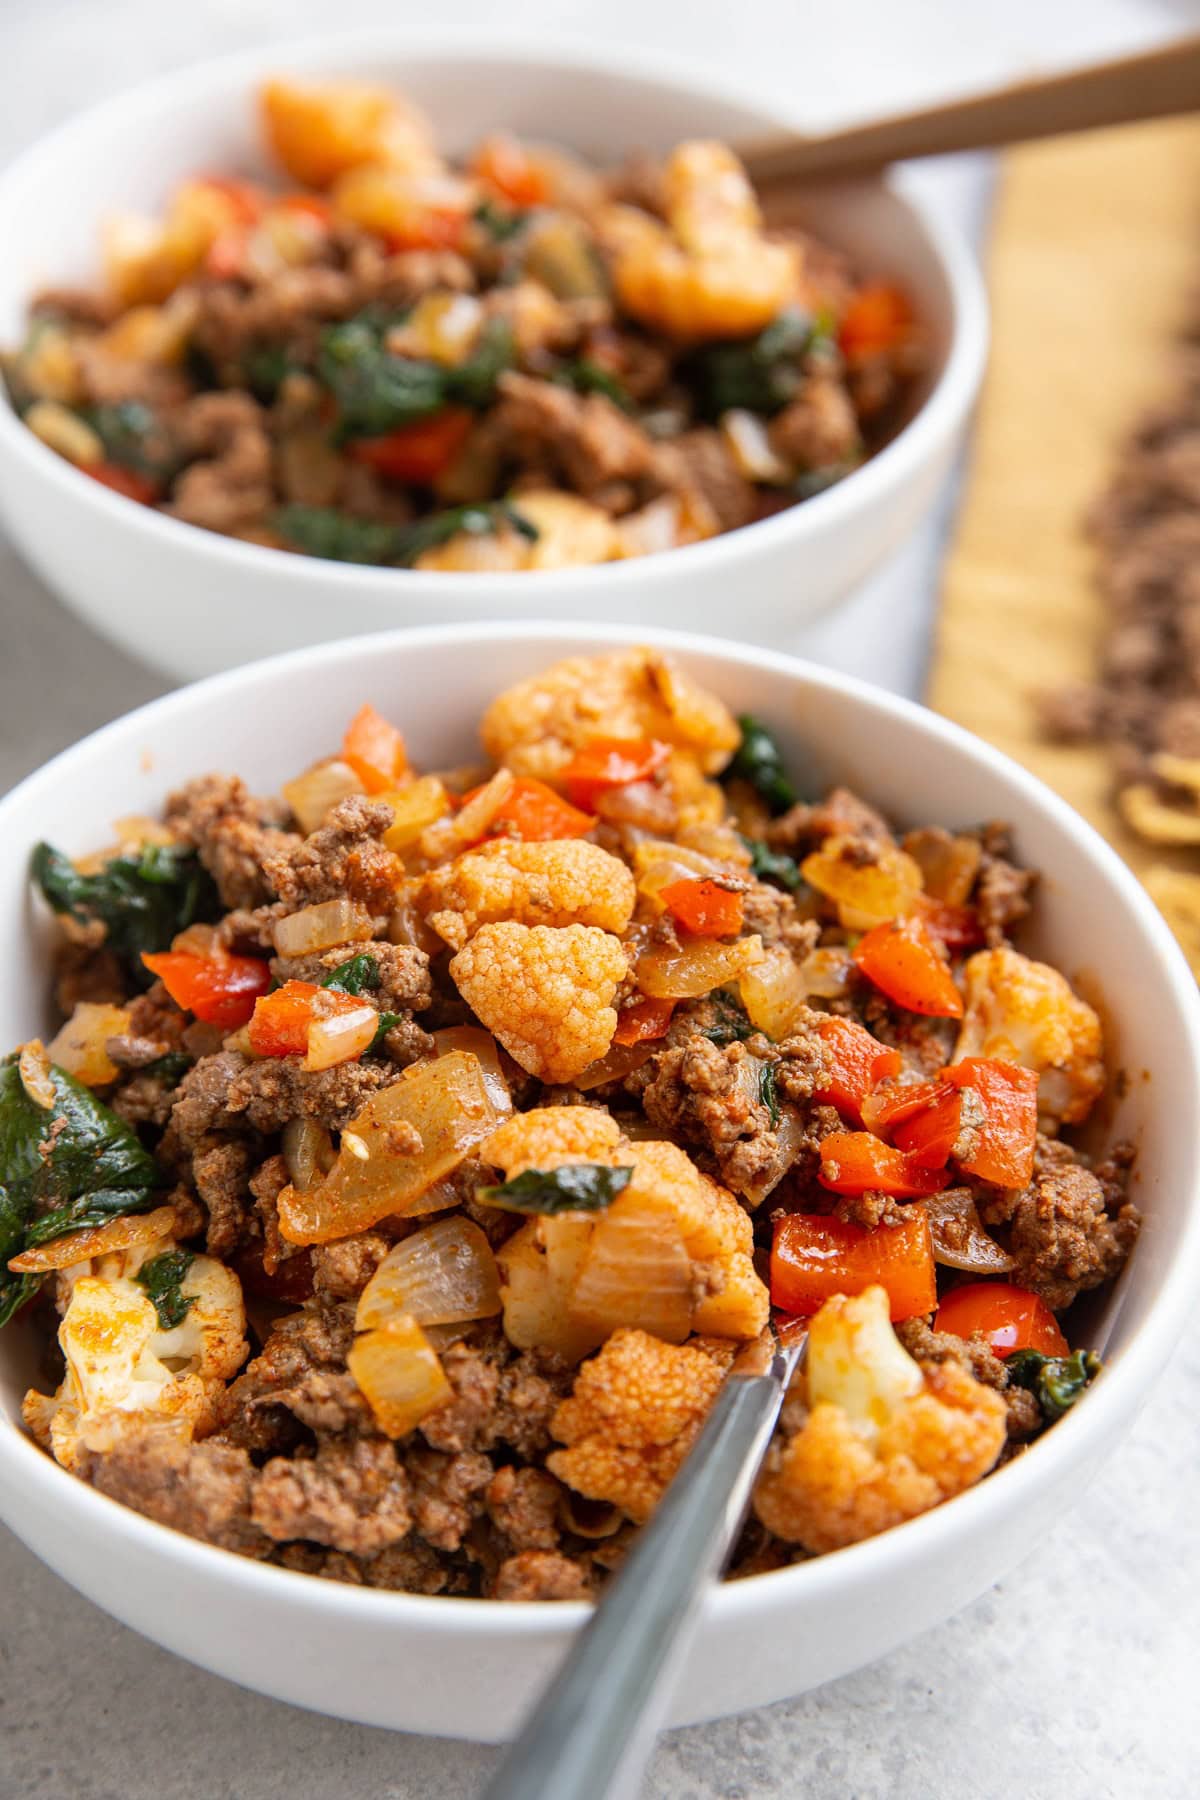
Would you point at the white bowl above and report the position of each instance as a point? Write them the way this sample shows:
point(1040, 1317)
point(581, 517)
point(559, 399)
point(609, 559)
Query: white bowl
point(191, 602)
point(468, 1668)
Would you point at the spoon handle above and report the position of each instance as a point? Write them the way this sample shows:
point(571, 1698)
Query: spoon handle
point(592, 1732)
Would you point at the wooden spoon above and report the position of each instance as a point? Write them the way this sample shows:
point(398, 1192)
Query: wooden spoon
point(1151, 85)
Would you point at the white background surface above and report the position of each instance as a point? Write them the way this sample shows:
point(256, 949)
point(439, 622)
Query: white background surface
point(1073, 1679)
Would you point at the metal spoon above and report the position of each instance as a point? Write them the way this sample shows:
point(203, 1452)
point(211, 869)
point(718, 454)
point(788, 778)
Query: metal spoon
point(593, 1730)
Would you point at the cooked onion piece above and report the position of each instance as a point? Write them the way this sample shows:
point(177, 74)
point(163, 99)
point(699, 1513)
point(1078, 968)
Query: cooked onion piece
point(636, 1272)
point(313, 795)
point(865, 893)
point(774, 991)
point(308, 1151)
point(421, 803)
point(97, 1240)
point(959, 1240)
point(538, 1268)
point(81, 1046)
point(482, 1045)
point(441, 1275)
point(398, 1371)
point(340, 1038)
point(696, 967)
point(318, 927)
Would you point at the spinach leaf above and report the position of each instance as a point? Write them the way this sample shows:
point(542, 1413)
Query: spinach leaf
point(323, 531)
point(773, 865)
point(134, 436)
point(15, 1290)
point(266, 367)
point(588, 377)
point(375, 391)
point(161, 1277)
point(499, 224)
point(1055, 1381)
point(758, 761)
point(767, 1093)
point(473, 382)
point(171, 1068)
point(730, 1024)
point(142, 901)
point(356, 976)
point(387, 1021)
point(478, 521)
point(759, 375)
point(575, 1187)
point(63, 1167)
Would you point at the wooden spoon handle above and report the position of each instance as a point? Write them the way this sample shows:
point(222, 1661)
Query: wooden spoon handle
point(1151, 85)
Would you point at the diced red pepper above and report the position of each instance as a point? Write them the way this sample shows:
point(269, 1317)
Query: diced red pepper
point(956, 927)
point(609, 762)
point(533, 811)
point(858, 1061)
point(930, 1133)
point(281, 1020)
point(220, 990)
point(856, 1162)
point(245, 201)
point(704, 907)
point(892, 1101)
point(130, 482)
point(1008, 1134)
point(312, 206)
point(877, 319)
point(375, 750)
point(814, 1257)
point(226, 255)
point(503, 164)
point(644, 1020)
point(418, 453)
point(1009, 1317)
point(906, 963)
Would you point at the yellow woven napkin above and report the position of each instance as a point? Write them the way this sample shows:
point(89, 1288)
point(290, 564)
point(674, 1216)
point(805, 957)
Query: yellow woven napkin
point(1095, 248)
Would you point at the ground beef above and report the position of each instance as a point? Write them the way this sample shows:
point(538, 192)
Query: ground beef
point(233, 832)
point(818, 427)
point(585, 437)
point(352, 1496)
point(975, 1355)
point(840, 814)
point(499, 1398)
point(229, 1092)
point(87, 972)
point(523, 1505)
point(205, 1490)
point(403, 970)
point(698, 468)
point(447, 1494)
point(773, 915)
point(870, 1210)
point(143, 1100)
point(344, 859)
point(541, 1575)
point(1001, 894)
point(231, 485)
point(297, 1385)
point(1066, 1233)
point(266, 1185)
point(221, 1174)
point(411, 1567)
point(288, 310)
point(342, 1269)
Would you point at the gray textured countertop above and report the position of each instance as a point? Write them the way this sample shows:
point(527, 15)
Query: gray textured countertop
point(1075, 1677)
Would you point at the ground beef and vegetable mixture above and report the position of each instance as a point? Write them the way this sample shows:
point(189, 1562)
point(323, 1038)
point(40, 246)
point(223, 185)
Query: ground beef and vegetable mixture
point(517, 363)
point(419, 1148)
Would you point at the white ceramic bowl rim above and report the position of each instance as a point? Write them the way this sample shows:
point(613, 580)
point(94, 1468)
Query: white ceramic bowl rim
point(935, 418)
point(1119, 1391)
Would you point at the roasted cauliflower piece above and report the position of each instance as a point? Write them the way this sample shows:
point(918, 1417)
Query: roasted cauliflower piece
point(549, 1136)
point(567, 881)
point(632, 1417)
point(884, 1439)
point(121, 1360)
point(536, 727)
point(545, 991)
point(1026, 1012)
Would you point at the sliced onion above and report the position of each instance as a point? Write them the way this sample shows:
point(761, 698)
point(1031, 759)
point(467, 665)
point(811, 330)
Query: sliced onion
point(948, 864)
point(448, 836)
point(620, 1061)
point(585, 1518)
point(657, 864)
point(652, 529)
point(538, 1266)
point(340, 1038)
point(397, 1369)
point(421, 803)
point(789, 1139)
point(828, 974)
point(959, 1240)
point(81, 1046)
point(637, 1272)
point(745, 434)
point(696, 967)
point(481, 1045)
point(444, 1102)
point(308, 1152)
point(441, 1275)
point(773, 991)
point(866, 893)
point(408, 925)
point(330, 922)
point(315, 793)
point(97, 1240)
point(33, 1066)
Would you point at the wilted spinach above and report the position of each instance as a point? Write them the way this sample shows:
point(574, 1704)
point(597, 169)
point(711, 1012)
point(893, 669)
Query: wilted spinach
point(322, 531)
point(575, 1187)
point(758, 760)
point(1056, 1382)
point(142, 901)
point(161, 1278)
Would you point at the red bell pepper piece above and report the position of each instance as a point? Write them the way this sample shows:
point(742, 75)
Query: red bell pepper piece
point(877, 319)
point(375, 750)
point(503, 164)
point(704, 907)
point(608, 762)
point(1008, 1134)
point(893, 1101)
point(1009, 1317)
point(533, 811)
point(814, 1257)
point(281, 1020)
point(954, 927)
point(644, 1020)
point(858, 1061)
point(856, 1162)
point(906, 963)
point(220, 990)
point(130, 482)
point(418, 453)
point(929, 1133)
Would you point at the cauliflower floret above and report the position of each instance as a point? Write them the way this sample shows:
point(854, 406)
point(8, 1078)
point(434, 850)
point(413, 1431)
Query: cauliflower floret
point(120, 1359)
point(632, 1417)
point(884, 1440)
point(549, 1136)
point(545, 991)
point(1026, 1012)
point(565, 882)
point(729, 1299)
point(536, 727)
